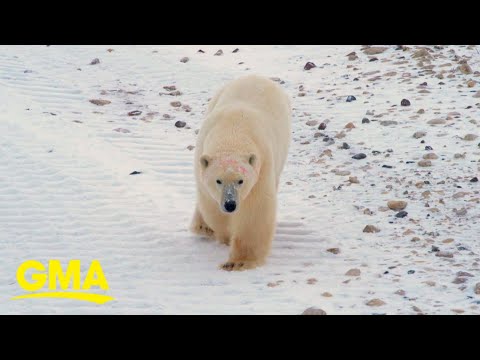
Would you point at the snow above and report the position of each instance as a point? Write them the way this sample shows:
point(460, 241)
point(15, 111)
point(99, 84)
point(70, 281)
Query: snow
point(66, 192)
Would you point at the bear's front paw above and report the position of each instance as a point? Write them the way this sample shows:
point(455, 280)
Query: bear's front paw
point(239, 265)
point(202, 229)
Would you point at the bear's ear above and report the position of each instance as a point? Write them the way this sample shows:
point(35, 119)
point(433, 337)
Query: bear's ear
point(252, 159)
point(204, 161)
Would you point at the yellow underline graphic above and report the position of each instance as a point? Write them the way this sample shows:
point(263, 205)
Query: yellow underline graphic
point(96, 298)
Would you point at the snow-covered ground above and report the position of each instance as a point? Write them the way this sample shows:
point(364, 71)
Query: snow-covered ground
point(66, 191)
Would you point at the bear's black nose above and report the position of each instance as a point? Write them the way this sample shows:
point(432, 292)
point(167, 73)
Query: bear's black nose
point(230, 206)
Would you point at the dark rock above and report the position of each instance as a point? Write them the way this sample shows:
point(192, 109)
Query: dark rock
point(180, 124)
point(95, 61)
point(236, 50)
point(345, 146)
point(405, 102)
point(401, 214)
point(359, 156)
point(322, 126)
point(134, 113)
point(135, 172)
point(365, 121)
point(473, 180)
point(351, 98)
point(309, 65)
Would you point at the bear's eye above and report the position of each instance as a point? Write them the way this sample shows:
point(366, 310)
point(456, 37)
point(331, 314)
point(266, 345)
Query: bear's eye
point(240, 182)
point(219, 182)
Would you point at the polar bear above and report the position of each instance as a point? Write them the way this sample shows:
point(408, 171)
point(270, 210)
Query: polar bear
point(240, 153)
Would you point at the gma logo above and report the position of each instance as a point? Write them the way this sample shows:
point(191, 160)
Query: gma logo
point(55, 275)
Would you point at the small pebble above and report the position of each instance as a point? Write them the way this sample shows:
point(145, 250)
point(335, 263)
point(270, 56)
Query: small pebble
point(314, 311)
point(180, 124)
point(359, 156)
point(309, 65)
point(405, 102)
point(351, 98)
point(371, 229)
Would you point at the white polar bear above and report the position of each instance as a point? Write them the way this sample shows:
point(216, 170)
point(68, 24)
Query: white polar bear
point(240, 153)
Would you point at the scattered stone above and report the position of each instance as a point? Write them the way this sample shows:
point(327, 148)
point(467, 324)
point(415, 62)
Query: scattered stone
point(401, 214)
point(464, 273)
point(176, 103)
point(424, 163)
point(471, 83)
point(322, 126)
point(421, 53)
point(470, 137)
point(397, 205)
point(374, 50)
point(186, 108)
point(437, 122)
point(180, 124)
point(184, 60)
point(365, 121)
point(417, 309)
point(219, 53)
point(170, 87)
point(421, 111)
point(430, 283)
point(135, 173)
point(473, 180)
point(134, 113)
point(121, 130)
point(359, 156)
point(326, 294)
point(419, 134)
point(476, 290)
point(236, 50)
point(405, 102)
point(371, 229)
point(314, 311)
point(465, 69)
point(335, 251)
point(353, 180)
point(353, 272)
point(312, 122)
point(388, 122)
point(345, 146)
point(95, 61)
point(350, 125)
point(375, 302)
point(430, 156)
point(351, 98)
point(309, 65)
point(400, 292)
point(100, 102)
point(312, 281)
point(445, 254)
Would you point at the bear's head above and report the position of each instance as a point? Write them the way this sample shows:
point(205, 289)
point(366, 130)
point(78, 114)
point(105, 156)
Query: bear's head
point(229, 178)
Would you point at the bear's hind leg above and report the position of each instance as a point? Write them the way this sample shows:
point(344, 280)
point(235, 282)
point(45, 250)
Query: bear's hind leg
point(199, 227)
